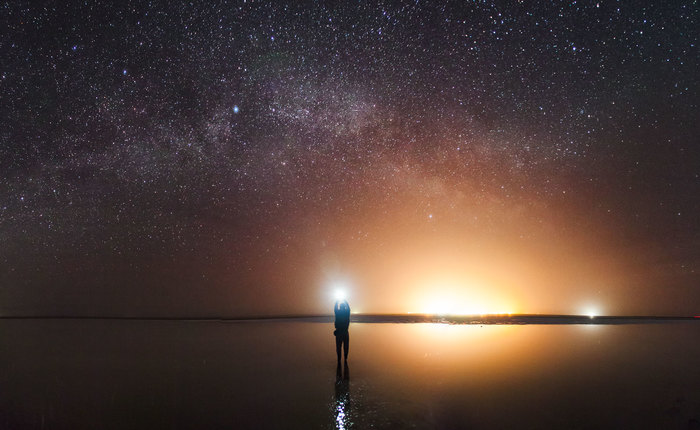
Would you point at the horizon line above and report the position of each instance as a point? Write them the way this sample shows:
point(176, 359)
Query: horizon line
point(388, 318)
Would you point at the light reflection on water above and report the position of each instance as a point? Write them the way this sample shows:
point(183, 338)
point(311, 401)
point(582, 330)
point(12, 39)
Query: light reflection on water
point(73, 374)
point(555, 376)
point(342, 408)
point(342, 405)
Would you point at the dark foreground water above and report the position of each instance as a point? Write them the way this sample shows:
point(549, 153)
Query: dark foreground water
point(72, 374)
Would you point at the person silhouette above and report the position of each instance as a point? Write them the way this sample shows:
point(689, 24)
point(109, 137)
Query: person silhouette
point(342, 323)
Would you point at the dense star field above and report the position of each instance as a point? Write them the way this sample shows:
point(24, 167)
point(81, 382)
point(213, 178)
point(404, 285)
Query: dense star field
point(240, 158)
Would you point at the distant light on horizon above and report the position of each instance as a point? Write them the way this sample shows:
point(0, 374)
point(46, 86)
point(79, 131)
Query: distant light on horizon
point(591, 311)
point(465, 298)
point(449, 308)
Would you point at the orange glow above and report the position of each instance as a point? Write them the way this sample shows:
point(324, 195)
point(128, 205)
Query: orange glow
point(591, 311)
point(473, 257)
point(463, 299)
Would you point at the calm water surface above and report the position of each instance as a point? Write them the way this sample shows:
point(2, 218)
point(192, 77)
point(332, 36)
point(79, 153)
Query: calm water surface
point(70, 374)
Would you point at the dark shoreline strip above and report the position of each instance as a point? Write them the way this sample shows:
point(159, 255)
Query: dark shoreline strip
point(515, 319)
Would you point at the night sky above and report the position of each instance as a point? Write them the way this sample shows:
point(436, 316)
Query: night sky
point(246, 158)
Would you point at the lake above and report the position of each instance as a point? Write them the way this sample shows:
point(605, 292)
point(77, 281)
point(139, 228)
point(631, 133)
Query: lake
point(118, 374)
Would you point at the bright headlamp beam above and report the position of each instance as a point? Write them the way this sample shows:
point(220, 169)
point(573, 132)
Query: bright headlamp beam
point(340, 294)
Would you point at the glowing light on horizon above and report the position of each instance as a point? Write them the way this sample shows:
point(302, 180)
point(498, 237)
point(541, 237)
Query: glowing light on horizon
point(452, 307)
point(464, 298)
point(591, 311)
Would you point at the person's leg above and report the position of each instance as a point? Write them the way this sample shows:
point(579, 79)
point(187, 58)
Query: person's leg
point(338, 345)
point(346, 341)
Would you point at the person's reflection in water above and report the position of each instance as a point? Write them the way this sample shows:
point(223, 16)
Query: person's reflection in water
point(342, 323)
point(341, 412)
point(342, 378)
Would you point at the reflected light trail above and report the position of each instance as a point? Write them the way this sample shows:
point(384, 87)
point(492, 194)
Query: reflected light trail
point(340, 416)
point(341, 411)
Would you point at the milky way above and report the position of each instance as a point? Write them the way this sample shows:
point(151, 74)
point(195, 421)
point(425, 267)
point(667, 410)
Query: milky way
point(225, 158)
